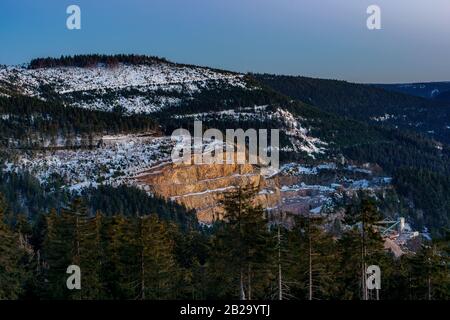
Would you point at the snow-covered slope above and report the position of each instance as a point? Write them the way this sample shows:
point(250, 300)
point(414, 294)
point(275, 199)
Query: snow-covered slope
point(116, 159)
point(299, 136)
point(141, 89)
point(132, 87)
point(70, 79)
point(224, 100)
point(149, 88)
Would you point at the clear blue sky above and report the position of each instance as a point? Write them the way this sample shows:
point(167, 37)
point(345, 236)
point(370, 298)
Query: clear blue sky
point(320, 38)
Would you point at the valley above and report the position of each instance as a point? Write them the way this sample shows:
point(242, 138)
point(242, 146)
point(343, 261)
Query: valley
point(87, 176)
point(322, 159)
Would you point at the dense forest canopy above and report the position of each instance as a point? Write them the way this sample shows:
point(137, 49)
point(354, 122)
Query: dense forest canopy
point(28, 117)
point(92, 60)
point(367, 103)
point(246, 256)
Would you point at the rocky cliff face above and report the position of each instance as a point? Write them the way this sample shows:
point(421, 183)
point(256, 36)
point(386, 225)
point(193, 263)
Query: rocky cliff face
point(294, 188)
point(200, 187)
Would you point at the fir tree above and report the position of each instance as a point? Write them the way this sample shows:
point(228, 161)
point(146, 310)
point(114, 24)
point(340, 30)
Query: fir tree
point(158, 272)
point(360, 247)
point(245, 243)
point(430, 276)
point(11, 253)
point(57, 254)
point(86, 250)
point(312, 259)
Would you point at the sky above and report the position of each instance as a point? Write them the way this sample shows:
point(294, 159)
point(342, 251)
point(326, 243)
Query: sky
point(317, 38)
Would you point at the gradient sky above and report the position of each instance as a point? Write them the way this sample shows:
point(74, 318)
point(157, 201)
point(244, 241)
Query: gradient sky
point(319, 38)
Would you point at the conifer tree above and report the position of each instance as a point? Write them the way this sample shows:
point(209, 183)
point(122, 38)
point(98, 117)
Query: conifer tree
point(86, 250)
point(158, 272)
point(57, 253)
point(72, 238)
point(284, 256)
point(118, 256)
point(246, 242)
point(312, 257)
point(360, 247)
point(11, 273)
point(430, 275)
point(190, 252)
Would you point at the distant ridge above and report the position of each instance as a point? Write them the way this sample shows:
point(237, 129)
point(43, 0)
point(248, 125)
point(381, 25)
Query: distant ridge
point(369, 103)
point(92, 60)
point(427, 90)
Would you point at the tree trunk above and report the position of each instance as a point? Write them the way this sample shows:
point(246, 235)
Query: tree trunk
point(142, 262)
point(249, 289)
point(241, 286)
point(78, 260)
point(363, 259)
point(280, 287)
point(310, 259)
point(142, 276)
point(429, 287)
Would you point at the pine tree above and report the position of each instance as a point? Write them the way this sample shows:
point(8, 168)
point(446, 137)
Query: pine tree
point(11, 273)
point(245, 243)
point(158, 270)
point(115, 243)
point(190, 252)
point(312, 257)
point(430, 276)
point(57, 254)
point(29, 263)
point(284, 257)
point(360, 247)
point(86, 250)
point(72, 238)
point(139, 259)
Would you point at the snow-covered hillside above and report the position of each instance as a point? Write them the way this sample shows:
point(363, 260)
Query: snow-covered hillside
point(300, 138)
point(118, 158)
point(131, 87)
point(137, 89)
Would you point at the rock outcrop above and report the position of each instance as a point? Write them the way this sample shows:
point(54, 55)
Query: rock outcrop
point(201, 187)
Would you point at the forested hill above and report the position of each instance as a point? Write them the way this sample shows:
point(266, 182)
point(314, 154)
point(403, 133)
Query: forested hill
point(82, 135)
point(419, 165)
point(71, 107)
point(92, 60)
point(428, 90)
point(27, 120)
point(367, 103)
point(444, 97)
point(110, 61)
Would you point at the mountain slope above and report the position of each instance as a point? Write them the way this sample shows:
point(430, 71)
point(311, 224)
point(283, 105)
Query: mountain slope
point(427, 90)
point(90, 121)
point(367, 103)
point(144, 86)
point(443, 96)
